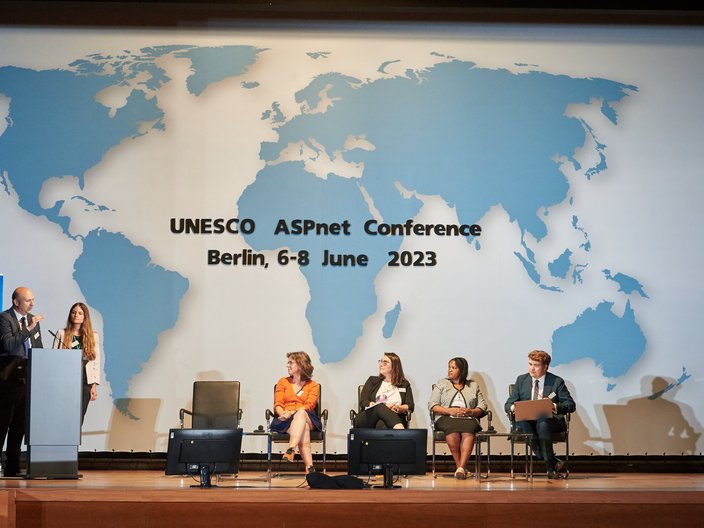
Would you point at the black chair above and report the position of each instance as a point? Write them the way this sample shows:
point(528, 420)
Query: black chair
point(353, 413)
point(216, 405)
point(439, 436)
point(557, 437)
point(315, 436)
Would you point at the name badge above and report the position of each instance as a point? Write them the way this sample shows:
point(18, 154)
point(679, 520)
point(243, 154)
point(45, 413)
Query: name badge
point(402, 389)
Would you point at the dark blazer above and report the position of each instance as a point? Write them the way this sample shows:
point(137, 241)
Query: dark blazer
point(372, 386)
point(12, 342)
point(523, 390)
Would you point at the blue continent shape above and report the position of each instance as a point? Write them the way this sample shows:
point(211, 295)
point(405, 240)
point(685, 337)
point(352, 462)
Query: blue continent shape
point(561, 265)
point(626, 284)
point(57, 127)
point(390, 320)
point(491, 134)
point(614, 343)
point(117, 277)
point(475, 137)
point(577, 273)
point(341, 298)
point(212, 65)
point(587, 245)
point(318, 54)
point(684, 377)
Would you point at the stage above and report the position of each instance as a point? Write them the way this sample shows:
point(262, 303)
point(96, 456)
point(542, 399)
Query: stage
point(151, 499)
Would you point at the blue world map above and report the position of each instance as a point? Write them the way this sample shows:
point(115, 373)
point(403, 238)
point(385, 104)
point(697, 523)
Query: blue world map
point(475, 137)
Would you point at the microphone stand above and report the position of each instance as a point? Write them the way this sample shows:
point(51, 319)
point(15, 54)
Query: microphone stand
point(59, 340)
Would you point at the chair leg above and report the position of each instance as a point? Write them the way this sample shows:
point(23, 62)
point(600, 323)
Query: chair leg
point(478, 459)
point(433, 457)
point(477, 456)
point(268, 459)
point(513, 447)
point(324, 451)
point(488, 456)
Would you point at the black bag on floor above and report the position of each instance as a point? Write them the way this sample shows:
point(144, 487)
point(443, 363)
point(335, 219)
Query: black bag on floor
point(322, 481)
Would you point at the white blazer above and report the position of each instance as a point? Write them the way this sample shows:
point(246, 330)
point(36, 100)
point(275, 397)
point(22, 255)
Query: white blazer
point(93, 366)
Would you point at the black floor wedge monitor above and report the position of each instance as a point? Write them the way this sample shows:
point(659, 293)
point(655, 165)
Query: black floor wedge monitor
point(203, 452)
point(388, 452)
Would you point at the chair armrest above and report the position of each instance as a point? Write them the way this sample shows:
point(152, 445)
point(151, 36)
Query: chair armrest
point(511, 415)
point(181, 414)
point(324, 415)
point(353, 417)
point(490, 428)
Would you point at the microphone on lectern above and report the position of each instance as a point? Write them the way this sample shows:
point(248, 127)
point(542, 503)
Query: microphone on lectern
point(58, 339)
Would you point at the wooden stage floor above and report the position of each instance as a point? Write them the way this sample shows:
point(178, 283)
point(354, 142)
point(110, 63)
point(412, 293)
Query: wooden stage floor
point(151, 499)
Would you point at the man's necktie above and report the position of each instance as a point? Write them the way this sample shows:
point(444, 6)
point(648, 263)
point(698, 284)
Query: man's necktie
point(23, 327)
point(536, 389)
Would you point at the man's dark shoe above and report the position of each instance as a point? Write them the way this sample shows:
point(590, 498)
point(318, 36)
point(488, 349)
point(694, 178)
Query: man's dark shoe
point(559, 465)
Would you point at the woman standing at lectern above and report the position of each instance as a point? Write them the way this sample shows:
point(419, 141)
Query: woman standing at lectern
point(79, 334)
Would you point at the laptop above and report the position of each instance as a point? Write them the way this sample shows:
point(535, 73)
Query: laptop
point(532, 409)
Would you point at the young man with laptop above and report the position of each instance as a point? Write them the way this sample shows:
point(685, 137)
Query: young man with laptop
point(538, 398)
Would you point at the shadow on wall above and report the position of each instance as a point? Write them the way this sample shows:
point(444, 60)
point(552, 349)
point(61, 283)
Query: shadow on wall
point(653, 423)
point(579, 430)
point(579, 433)
point(496, 408)
point(128, 433)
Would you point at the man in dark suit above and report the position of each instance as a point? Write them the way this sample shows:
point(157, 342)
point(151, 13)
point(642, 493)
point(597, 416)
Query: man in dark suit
point(19, 332)
point(539, 383)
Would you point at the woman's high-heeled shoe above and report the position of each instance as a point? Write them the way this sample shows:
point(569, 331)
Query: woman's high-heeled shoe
point(289, 455)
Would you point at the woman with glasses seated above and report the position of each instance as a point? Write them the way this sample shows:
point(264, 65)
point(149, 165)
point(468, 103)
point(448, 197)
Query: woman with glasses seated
point(386, 398)
point(295, 399)
point(458, 403)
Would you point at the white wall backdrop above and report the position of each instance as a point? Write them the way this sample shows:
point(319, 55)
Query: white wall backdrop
point(96, 157)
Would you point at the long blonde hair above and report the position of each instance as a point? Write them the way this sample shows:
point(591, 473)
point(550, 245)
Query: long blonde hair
point(86, 332)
